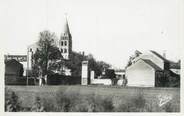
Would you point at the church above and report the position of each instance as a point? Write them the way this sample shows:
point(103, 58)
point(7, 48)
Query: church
point(65, 42)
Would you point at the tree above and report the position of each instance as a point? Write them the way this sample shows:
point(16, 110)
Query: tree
point(75, 63)
point(46, 52)
point(97, 66)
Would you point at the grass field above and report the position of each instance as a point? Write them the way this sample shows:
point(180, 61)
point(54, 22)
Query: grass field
point(116, 98)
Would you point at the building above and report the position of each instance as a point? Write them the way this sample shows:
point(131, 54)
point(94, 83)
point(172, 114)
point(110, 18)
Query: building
point(119, 73)
point(13, 68)
point(65, 42)
point(11, 60)
point(148, 70)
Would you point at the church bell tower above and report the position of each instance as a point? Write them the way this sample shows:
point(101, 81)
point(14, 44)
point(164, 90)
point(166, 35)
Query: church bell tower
point(65, 43)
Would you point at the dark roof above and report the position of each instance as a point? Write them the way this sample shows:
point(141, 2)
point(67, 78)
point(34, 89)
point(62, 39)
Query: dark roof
point(66, 27)
point(152, 64)
point(160, 56)
point(13, 67)
point(174, 65)
point(13, 62)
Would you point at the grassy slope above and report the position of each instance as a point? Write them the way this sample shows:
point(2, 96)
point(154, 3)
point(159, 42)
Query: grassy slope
point(27, 94)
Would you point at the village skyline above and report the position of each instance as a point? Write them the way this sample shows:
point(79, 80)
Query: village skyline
point(111, 32)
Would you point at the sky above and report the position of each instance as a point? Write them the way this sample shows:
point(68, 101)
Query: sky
point(111, 30)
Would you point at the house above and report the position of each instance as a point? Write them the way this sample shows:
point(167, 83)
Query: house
point(119, 73)
point(150, 69)
point(13, 68)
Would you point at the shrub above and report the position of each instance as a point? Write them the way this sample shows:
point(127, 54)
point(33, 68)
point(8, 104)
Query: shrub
point(65, 102)
point(50, 105)
point(38, 106)
point(74, 102)
point(93, 103)
point(12, 104)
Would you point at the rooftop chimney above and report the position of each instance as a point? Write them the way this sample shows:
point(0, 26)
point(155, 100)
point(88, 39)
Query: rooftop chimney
point(164, 53)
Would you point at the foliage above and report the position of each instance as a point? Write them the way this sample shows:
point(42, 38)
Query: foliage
point(38, 106)
point(166, 78)
point(49, 58)
point(110, 73)
point(75, 102)
point(12, 103)
point(46, 51)
point(68, 99)
point(97, 66)
point(76, 61)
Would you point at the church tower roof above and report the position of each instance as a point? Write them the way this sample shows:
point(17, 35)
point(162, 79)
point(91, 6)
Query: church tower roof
point(66, 27)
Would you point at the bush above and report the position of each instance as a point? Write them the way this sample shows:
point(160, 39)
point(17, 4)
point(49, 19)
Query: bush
point(38, 106)
point(65, 102)
point(12, 104)
point(74, 101)
point(93, 103)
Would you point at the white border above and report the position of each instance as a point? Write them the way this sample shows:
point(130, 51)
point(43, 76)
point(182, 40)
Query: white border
point(181, 38)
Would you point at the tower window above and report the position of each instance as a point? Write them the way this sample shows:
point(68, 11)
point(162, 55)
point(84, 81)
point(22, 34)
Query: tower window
point(62, 43)
point(65, 43)
point(65, 51)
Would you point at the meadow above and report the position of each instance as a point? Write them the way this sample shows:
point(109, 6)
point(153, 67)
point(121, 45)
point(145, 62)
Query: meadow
point(92, 98)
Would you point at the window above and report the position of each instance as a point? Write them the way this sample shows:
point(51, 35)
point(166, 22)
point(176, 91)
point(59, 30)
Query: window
point(62, 43)
point(61, 50)
point(65, 43)
point(65, 50)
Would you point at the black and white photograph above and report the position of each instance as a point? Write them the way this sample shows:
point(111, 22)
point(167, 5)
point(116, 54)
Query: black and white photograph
point(97, 56)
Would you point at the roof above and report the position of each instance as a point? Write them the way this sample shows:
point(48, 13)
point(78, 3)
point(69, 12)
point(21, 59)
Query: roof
point(149, 62)
point(66, 27)
point(175, 65)
point(138, 52)
point(160, 56)
point(13, 63)
point(13, 67)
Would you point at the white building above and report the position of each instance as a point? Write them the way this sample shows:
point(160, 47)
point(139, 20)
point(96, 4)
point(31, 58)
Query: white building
point(145, 67)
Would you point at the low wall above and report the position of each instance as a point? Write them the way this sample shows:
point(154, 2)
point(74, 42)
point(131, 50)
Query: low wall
point(101, 81)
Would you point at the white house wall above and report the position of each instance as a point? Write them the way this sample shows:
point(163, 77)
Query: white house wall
point(140, 74)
